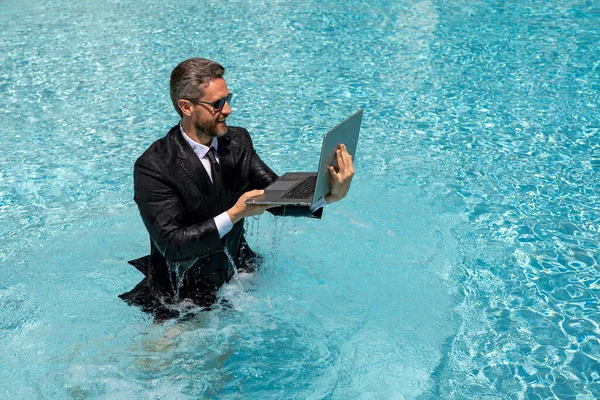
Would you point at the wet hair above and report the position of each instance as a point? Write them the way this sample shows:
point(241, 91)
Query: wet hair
point(189, 76)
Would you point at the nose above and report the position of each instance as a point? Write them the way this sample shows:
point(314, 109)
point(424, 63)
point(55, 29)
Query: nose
point(226, 109)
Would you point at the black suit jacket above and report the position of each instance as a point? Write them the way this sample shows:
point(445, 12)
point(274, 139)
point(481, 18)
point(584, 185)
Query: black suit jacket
point(177, 203)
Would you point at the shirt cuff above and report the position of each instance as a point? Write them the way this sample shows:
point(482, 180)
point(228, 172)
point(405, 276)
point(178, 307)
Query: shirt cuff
point(223, 223)
point(318, 204)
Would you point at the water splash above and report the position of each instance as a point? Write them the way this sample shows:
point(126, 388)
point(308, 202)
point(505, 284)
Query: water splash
point(177, 272)
point(272, 234)
point(253, 227)
point(278, 231)
point(236, 275)
point(178, 269)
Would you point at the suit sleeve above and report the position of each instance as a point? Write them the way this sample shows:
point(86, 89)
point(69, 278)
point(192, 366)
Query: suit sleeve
point(261, 176)
point(162, 212)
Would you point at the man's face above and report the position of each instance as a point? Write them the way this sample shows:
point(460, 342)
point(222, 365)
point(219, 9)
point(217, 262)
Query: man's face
point(206, 119)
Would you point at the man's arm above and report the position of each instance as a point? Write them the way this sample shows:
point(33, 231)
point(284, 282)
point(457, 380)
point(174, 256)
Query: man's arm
point(161, 210)
point(259, 174)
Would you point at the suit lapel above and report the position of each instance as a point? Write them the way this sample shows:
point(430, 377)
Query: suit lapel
point(189, 162)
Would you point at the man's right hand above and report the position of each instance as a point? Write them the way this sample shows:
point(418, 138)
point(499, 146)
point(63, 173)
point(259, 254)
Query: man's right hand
point(242, 210)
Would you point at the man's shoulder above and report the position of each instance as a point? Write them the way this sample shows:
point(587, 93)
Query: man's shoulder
point(162, 150)
point(239, 136)
point(236, 131)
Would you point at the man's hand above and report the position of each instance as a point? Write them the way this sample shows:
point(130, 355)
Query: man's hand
point(340, 179)
point(242, 210)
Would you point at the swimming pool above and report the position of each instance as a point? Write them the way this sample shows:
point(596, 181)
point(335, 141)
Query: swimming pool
point(464, 263)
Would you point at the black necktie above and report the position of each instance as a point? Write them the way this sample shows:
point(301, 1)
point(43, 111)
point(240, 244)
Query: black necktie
point(215, 171)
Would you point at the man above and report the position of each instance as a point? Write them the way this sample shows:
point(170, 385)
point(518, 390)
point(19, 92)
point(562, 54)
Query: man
point(191, 187)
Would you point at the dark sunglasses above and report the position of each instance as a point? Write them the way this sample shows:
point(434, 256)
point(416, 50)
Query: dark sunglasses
point(216, 105)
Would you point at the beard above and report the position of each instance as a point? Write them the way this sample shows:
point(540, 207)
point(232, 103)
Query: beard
point(209, 128)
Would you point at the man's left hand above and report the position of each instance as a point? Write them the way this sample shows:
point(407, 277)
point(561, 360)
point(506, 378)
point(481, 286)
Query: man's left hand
point(340, 179)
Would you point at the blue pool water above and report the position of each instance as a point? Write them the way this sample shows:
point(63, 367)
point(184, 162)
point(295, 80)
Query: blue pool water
point(463, 265)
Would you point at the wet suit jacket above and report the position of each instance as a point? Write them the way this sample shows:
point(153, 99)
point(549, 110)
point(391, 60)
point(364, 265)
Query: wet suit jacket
point(177, 202)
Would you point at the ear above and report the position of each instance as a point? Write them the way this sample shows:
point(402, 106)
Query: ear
point(185, 106)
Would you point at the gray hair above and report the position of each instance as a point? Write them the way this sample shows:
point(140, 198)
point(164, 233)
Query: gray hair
point(189, 76)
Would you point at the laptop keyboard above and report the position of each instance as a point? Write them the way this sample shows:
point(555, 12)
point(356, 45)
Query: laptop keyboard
point(303, 190)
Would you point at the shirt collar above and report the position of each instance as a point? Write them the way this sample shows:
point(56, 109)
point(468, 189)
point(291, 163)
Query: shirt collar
point(198, 148)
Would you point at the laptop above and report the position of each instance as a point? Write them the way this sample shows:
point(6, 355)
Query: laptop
point(305, 188)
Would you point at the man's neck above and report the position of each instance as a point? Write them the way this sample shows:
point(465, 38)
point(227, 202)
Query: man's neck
point(190, 130)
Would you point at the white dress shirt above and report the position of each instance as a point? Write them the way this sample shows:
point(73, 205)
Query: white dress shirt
point(222, 221)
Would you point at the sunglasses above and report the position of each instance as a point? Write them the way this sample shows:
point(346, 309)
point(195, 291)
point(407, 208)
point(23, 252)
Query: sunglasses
point(216, 105)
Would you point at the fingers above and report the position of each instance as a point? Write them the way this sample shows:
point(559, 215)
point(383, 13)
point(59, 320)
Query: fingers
point(250, 194)
point(340, 159)
point(254, 209)
point(347, 158)
point(334, 174)
point(344, 159)
point(255, 192)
